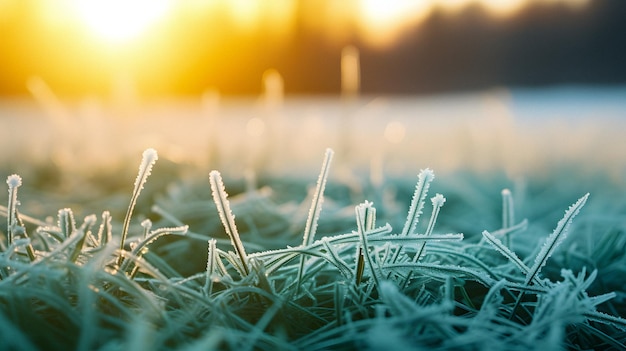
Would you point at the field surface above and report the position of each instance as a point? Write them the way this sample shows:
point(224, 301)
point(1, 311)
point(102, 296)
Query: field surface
point(491, 219)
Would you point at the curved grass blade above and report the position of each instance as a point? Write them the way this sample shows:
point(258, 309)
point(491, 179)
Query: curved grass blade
point(148, 160)
point(152, 236)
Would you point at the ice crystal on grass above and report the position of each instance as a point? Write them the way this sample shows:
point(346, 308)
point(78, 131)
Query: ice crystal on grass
point(14, 181)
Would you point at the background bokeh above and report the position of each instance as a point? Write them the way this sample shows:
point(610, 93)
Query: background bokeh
point(520, 90)
point(407, 47)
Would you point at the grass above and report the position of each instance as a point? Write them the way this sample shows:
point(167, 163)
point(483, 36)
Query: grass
point(315, 273)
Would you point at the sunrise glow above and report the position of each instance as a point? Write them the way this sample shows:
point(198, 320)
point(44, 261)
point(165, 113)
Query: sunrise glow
point(381, 20)
point(135, 48)
point(120, 20)
point(378, 22)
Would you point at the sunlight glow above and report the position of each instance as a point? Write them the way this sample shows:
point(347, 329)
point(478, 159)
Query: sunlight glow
point(382, 19)
point(379, 22)
point(131, 48)
point(245, 12)
point(120, 20)
point(382, 13)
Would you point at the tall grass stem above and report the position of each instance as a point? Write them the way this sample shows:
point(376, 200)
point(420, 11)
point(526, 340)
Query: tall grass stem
point(314, 212)
point(148, 160)
point(14, 181)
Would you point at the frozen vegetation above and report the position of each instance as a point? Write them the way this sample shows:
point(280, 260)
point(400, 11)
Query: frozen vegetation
point(436, 223)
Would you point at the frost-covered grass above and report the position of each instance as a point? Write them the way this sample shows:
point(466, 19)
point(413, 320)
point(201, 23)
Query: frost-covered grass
point(336, 264)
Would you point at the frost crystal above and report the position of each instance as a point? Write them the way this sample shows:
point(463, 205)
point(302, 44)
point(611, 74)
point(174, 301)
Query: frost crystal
point(148, 160)
point(14, 181)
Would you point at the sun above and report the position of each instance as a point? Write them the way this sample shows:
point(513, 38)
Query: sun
point(120, 20)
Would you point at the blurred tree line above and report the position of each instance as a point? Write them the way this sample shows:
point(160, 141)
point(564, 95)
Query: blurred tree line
point(543, 44)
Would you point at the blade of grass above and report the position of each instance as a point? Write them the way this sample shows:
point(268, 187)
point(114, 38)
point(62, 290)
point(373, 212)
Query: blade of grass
point(557, 236)
point(366, 221)
point(153, 235)
point(424, 179)
point(552, 242)
point(506, 252)
point(210, 267)
point(437, 201)
point(88, 222)
point(14, 181)
point(314, 212)
point(508, 214)
point(220, 197)
point(148, 160)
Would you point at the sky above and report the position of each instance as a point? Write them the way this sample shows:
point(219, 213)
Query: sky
point(158, 48)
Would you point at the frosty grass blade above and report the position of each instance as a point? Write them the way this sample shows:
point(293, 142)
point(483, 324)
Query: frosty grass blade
point(148, 160)
point(220, 197)
point(14, 181)
point(314, 212)
point(425, 177)
point(557, 236)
